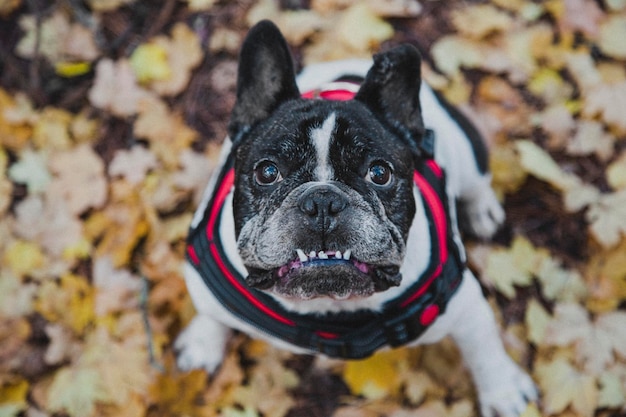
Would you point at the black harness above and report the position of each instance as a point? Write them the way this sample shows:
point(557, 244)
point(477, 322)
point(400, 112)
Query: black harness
point(348, 335)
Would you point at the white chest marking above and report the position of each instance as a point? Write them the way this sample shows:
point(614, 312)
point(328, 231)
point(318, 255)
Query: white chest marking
point(321, 138)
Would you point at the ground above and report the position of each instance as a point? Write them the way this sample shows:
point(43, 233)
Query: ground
point(111, 116)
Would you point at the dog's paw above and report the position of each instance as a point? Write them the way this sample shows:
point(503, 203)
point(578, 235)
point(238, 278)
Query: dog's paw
point(483, 213)
point(510, 396)
point(201, 344)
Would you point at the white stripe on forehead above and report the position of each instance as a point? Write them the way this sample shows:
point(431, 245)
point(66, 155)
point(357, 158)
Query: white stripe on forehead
point(321, 137)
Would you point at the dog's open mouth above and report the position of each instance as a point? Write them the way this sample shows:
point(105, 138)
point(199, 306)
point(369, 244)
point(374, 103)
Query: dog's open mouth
point(334, 274)
point(323, 259)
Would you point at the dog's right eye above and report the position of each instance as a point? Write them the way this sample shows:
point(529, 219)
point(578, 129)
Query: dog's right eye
point(267, 173)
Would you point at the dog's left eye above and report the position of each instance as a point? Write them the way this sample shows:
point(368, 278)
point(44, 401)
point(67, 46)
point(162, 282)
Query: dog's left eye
point(380, 173)
point(267, 173)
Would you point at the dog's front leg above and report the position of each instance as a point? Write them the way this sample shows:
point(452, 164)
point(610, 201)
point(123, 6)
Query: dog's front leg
point(503, 388)
point(202, 344)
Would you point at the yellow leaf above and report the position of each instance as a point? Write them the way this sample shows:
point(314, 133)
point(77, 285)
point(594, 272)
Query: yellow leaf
point(184, 53)
point(507, 268)
point(562, 386)
point(478, 21)
point(607, 218)
point(540, 164)
point(23, 257)
point(612, 393)
point(71, 302)
point(72, 69)
point(616, 172)
point(149, 62)
point(31, 170)
point(612, 35)
point(13, 395)
point(52, 129)
point(375, 377)
point(361, 29)
point(536, 319)
point(76, 391)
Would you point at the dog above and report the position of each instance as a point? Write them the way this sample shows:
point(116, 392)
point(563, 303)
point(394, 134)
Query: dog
point(331, 226)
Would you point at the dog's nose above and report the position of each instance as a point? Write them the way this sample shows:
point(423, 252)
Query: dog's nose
point(323, 204)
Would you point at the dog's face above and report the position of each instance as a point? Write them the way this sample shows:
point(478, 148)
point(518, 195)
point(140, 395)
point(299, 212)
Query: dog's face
point(323, 197)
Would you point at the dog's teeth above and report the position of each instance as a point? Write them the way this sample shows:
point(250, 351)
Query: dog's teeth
point(322, 255)
point(346, 255)
point(338, 255)
point(312, 254)
point(301, 255)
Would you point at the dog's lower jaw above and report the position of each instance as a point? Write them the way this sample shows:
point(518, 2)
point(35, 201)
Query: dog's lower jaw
point(339, 281)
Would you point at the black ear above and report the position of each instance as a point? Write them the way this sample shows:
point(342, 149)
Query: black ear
point(391, 90)
point(265, 78)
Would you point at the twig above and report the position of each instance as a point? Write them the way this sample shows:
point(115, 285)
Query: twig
point(143, 303)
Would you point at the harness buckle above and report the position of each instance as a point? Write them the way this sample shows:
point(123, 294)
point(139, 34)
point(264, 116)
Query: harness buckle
point(402, 330)
point(334, 348)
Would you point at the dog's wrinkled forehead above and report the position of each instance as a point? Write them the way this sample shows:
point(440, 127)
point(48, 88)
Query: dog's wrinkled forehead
point(325, 139)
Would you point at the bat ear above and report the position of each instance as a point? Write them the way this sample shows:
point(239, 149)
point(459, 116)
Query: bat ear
point(265, 78)
point(391, 90)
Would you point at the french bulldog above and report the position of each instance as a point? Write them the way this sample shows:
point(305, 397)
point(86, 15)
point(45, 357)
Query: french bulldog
point(331, 226)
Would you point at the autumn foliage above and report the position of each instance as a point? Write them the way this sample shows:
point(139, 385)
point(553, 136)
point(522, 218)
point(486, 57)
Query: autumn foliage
point(111, 116)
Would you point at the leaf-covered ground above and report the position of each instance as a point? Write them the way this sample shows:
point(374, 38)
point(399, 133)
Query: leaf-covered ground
point(111, 112)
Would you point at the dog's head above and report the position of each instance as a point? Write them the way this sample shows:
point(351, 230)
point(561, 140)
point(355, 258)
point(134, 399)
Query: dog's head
point(323, 198)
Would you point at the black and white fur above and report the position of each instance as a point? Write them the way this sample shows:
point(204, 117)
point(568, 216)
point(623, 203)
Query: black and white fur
point(323, 198)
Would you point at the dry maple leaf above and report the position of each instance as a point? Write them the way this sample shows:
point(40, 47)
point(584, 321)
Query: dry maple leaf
point(562, 385)
point(478, 21)
point(596, 342)
point(116, 289)
point(591, 138)
point(606, 217)
point(184, 53)
point(132, 164)
point(166, 131)
point(80, 192)
point(31, 170)
point(70, 301)
point(115, 88)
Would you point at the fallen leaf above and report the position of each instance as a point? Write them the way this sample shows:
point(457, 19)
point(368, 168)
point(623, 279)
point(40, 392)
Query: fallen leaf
point(166, 131)
point(16, 297)
point(133, 164)
point(31, 170)
point(479, 21)
point(536, 319)
point(21, 257)
point(612, 390)
point(70, 301)
point(580, 15)
point(117, 289)
point(76, 391)
point(596, 343)
point(562, 385)
point(616, 172)
point(612, 35)
point(149, 62)
point(591, 138)
point(506, 269)
point(606, 218)
point(184, 53)
point(80, 192)
point(107, 5)
point(376, 376)
point(606, 100)
point(115, 88)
